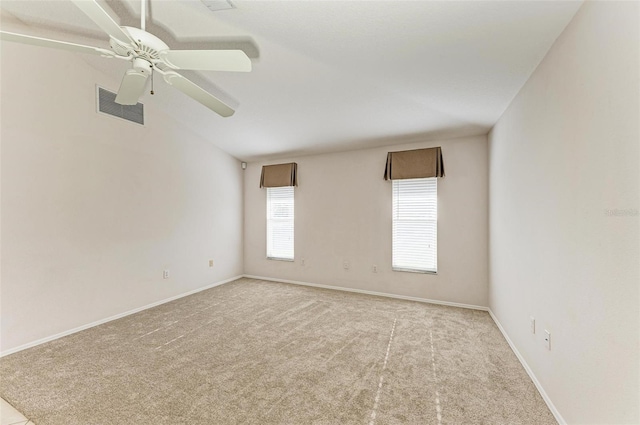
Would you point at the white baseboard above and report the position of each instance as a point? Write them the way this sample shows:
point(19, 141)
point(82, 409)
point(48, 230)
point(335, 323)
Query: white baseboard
point(364, 291)
point(541, 390)
point(109, 319)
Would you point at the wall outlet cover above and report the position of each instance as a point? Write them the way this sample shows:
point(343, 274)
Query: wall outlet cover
point(547, 339)
point(532, 322)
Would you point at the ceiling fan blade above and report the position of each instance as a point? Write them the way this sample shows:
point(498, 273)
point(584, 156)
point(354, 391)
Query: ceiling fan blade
point(100, 16)
point(45, 42)
point(131, 87)
point(191, 89)
point(207, 60)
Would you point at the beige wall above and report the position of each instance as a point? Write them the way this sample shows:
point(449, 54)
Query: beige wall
point(565, 152)
point(343, 213)
point(94, 208)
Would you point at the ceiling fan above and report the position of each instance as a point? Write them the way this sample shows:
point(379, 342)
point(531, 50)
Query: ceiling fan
point(148, 54)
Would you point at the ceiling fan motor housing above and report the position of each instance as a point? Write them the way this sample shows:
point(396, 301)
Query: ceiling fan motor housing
point(145, 50)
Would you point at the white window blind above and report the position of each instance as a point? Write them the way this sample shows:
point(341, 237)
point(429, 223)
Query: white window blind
point(280, 223)
point(415, 225)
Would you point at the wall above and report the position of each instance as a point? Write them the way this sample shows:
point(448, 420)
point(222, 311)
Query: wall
point(343, 213)
point(94, 208)
point(564, 201)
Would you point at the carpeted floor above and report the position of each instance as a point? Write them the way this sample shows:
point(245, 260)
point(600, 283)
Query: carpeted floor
point(256, 352)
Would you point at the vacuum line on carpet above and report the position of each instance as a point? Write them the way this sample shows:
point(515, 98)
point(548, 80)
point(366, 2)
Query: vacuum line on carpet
point(148, 333)
point(156, 330)
point(166, 343)
point(181, 336)
point(384, 367)
point(435, 378)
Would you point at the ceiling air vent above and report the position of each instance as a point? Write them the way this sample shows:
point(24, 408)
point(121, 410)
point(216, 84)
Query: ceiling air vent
point(107, 105)
point(215, 5)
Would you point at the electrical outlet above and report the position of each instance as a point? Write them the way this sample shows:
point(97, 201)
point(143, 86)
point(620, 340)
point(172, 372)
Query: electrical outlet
point(210, 263)
point(532, 322)
point(302, 262)
point(374, 268)
point(547, 339)
point(165, 274)
point(345, 265)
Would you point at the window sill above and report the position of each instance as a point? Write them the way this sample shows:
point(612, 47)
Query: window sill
point(280, 259)
point(399, 269)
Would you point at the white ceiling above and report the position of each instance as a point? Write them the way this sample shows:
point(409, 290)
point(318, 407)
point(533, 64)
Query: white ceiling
point(335, 75)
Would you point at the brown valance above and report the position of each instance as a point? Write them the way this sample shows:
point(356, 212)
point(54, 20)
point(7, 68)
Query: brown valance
point(279, 175)
point(414, 164)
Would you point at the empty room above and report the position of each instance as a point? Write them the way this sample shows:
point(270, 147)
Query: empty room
point(319, 212)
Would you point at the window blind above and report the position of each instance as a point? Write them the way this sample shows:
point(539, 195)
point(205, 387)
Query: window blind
point(280, 214)
point(415, 225)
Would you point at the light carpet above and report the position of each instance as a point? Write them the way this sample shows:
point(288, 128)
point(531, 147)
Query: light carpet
point(257, 352)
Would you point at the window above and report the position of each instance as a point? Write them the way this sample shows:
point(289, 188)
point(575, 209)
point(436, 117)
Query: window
point(280, 223)
point(415, 225)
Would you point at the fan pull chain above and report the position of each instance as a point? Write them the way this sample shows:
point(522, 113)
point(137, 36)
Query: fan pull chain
point(152, 81)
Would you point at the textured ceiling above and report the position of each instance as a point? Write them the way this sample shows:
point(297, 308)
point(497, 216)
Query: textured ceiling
point(334, 75)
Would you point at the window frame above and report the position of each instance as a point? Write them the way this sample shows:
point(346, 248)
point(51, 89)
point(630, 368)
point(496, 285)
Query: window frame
point(269, 220)
point(394, 251)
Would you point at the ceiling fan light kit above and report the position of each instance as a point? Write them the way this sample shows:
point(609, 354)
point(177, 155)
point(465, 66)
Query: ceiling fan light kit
point(133, 82)
point(148, 54)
